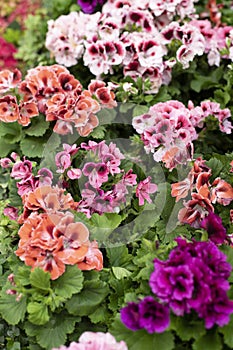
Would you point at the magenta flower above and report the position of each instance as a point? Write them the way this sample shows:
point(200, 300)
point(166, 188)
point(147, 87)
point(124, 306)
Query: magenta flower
point(143, 190)
point(88, 6)
point(130, 316)
point(154, 317)
point(22, 170)
point(11, 212)
point(194, 278)
point(212, 223)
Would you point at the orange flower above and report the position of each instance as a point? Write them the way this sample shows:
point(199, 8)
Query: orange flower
point(52, 241)
point(181, 189)
point(221, 192)
point(9, 110)
point(195, 210)
point(50, 199)
point(27, 110)
point(93, 259)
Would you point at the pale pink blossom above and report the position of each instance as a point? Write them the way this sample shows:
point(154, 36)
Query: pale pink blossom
point(144, 188)
point(95, 341)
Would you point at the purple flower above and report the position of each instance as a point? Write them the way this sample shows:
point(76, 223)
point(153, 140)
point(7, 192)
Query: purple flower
point(213, 225)
point(154, 317)
point(130, 316)
point(88, 6)
point(194, 277)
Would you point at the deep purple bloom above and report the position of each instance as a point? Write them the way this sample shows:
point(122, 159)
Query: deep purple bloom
point(130, 316)
point(88, 6)
point(194, 277)
point(154, 317)
point(213, 225)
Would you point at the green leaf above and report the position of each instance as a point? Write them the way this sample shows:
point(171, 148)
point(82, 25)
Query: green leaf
point(99, 132)
point(216, 166)
point(118, 256)
point(187, 329)
point(69, 283)
point(40, 279)
point(120, 272)
point(209, 341)
point(107, 220)
point(53, 333)
point(227, 333)
point(139, 110)
point(38, 127)
point(11, 132)
point(13, 311)
point(99, 315)
point(5, 148)
point(141, 339)
point(33, 146)
point(38, 313)
point(86, 302)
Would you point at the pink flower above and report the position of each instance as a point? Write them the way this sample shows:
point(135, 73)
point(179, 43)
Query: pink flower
point(74, 174)
point(5, 162)
point(143, 190)
point(63, 161)
point(95, 341)
point(11, 212)
point(22, 170)
point(97, 173)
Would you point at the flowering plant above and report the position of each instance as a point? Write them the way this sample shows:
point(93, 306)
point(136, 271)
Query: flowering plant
point(116, 160)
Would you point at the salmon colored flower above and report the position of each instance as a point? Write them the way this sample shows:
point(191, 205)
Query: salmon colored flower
point(50, 199)
point(222, 192)
point(93, 258)
point(27, 110)
point(9, 109)
point(51, 241)
point(195, 210)
point(9, 79)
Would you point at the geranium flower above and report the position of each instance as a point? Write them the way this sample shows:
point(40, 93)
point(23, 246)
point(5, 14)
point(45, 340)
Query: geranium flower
point(212, 223)
point(194, 277)
point(144, 188)
point(95, 341)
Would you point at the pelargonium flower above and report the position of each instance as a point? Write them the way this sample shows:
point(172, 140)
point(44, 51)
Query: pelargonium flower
point(148, 314)
point(144, 188)
point(88, 6)
point(153, 316)
point(194, 277)
point(130, 316)
point(95, 341)
point(212, 223)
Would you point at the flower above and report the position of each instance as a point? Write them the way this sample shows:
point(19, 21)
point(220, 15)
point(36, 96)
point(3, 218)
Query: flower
point(143, 190)
point(95, 341)
point(130, 316)
point(153, 316)
point(212, 223)
point(194, 277)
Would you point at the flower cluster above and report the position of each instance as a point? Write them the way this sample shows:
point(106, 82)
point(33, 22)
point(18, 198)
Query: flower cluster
point(105, 184)
point(203, 194)
point(168, 129)
point(95, 341)
point(49, 236)
point(52, 90)
point(137, 36)
point(194, 278)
